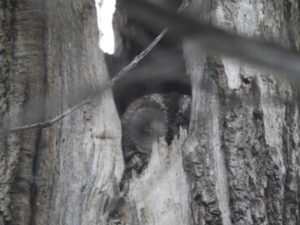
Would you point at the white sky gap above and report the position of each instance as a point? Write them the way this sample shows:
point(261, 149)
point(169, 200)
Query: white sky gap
point(105, 11)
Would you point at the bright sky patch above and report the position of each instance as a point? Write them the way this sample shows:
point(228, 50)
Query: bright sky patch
point(105, 11)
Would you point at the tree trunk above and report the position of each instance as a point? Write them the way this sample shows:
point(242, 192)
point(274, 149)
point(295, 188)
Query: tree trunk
point(241, 155)
point(238, 164)
point(63, 174)
point(242, 152)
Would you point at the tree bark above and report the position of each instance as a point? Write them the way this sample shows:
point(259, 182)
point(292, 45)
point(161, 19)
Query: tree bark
point(238, 164)
point(63, 174)
point(22, 74)
point(242, 152)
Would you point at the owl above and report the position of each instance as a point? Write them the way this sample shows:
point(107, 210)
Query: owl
point(147, 119)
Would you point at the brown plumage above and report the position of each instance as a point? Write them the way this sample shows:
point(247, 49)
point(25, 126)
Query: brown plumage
point(147, 119)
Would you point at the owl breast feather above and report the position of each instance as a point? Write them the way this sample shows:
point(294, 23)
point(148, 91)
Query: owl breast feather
point(147, 119)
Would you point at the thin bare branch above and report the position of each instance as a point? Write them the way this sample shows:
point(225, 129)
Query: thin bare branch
point(261, 53)
point(146, 51)
point(139, 57)
point(106, 86)
point(50, 122)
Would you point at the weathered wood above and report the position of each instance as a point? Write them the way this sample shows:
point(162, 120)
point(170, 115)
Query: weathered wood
point(243, 149)
point(22, 70)
point(160, 194)
point(238, 164)
point(80, 159)
point(64, 174)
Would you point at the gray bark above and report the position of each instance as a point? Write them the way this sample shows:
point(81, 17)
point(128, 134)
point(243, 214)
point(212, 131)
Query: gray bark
point(80, 157)
point(22, 74)
point(238, 164)
point(63, 174)
point(242, 152)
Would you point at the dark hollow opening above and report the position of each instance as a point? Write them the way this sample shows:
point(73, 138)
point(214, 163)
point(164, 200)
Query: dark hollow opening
point(162, 71)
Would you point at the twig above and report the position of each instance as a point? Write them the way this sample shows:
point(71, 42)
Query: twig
point(50, 122)
point(216, 40)
point(146, 51)
point(109, 84)
point(139, 57)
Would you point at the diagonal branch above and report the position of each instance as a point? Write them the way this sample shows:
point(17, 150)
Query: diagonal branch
point(146, 51)
point(88, 100)
point(265, 54)
point(106, 86)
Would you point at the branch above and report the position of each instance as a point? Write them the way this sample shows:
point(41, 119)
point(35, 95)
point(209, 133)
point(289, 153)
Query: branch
point(50, 122)
point(215, 40)
point(146, 51)
point(106, 86)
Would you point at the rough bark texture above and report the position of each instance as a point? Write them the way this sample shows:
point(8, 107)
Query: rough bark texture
point(160, 195)
point(64, 174)
point(22, 75)
point(238, 164)
point(242, 152)
point(81, 157)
